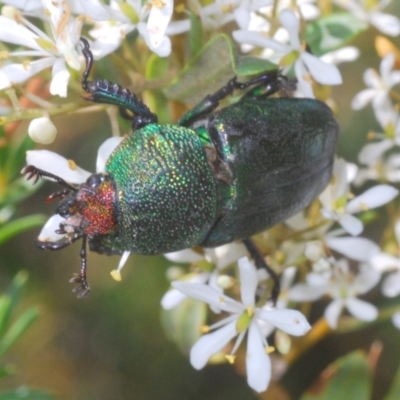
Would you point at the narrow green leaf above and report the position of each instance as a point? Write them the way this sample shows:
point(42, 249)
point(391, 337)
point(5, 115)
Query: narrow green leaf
point(394, 391)
point(182, 323)
point(17, 287)
point(351, 379)
point(16, 158)
point(333, 32)
point(17, 329)
point(157, 68)
point(5, 312)
point(20, 225)
point(195, 34)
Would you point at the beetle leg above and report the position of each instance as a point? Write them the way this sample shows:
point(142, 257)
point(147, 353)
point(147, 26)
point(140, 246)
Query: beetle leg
point(269, 82)
point(83, 289)
point(103, 91)
point(261, 264)
point(30, 171)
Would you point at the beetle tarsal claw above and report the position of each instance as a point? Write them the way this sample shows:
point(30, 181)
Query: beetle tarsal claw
point(83, 289)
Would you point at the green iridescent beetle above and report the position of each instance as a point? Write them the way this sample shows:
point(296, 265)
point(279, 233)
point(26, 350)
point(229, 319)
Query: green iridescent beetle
point(212, 178)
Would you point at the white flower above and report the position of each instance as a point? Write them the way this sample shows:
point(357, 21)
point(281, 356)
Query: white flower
point(305, 64)
point(154, 25)
point(335, 202)
point(52, 51)
point(220, 256)
point(245, 317)
point(343, 287)
point(370, 11)
point(384, 262)
point(378, 90)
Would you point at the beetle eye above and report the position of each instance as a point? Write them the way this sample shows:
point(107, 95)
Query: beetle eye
point(95, 180)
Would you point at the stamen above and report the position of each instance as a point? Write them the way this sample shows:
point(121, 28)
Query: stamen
point(116, 273)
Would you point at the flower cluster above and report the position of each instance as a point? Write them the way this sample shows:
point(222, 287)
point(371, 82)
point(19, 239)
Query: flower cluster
point(319, 252)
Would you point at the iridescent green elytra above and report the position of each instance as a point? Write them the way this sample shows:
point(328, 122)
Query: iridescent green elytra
point(212, 178)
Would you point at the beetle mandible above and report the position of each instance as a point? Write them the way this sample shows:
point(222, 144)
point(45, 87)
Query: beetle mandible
point(212, 178)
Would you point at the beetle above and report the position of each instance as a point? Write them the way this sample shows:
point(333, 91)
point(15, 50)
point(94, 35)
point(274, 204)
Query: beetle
point(214, 177)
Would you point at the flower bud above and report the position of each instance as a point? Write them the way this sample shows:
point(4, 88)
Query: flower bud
point(42, 130)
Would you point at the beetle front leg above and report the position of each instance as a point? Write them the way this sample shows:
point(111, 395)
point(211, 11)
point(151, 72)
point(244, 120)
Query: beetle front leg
point(261, 264)
point(83, 289)
point(103, 91)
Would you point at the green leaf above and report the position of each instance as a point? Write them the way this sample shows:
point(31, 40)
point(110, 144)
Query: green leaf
point(195, 34)
point(24, 393)
point(17, 329)
point(157, 68)
point(394, 391)
point(19, 190)
point(5, 312)
point(17, 156)
point(20, 225)
point(332, 32)
point(212, 67)
point(7, 370)
point(9, 302)
point(182, 323)
point(351, 379)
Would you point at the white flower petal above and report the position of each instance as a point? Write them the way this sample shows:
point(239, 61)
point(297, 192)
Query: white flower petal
point(361, 309)
point(292, 322)
point(327, 74)
point(60, 79)
point(372, 198)
point(48, 234)
point(291, 23)
point(385, 262)
point(363, 98)
point(248, 281)
point(210, 344)
point(303, 79)
point(104, 152)
point(303, 292)
point(184, 256)
point(332, 313)
point(351, 224)
point(368, 278)
point(396, 320)
point(12, 32)
point(359, 249)
point(386, 23)
point(391, 285)
point(158, 21)
point(371, 152)
point(174, 297)
point(258, 364)
point(208, 295)
point(259, 40)
point(17, 73)
point(57, 165)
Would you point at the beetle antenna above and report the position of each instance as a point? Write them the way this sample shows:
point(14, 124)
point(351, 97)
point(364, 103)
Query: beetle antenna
point(89, 63)
point(261, 264)
point(30, 171)
point(83, 289)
